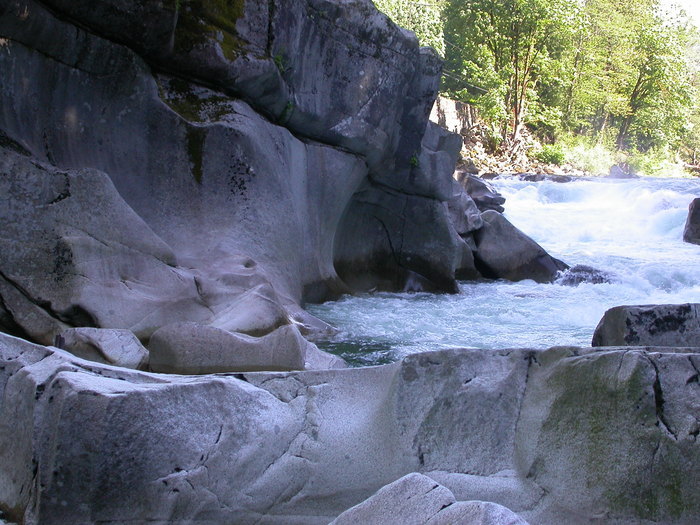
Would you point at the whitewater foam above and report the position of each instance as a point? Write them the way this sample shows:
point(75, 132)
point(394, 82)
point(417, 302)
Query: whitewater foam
point(631, 229)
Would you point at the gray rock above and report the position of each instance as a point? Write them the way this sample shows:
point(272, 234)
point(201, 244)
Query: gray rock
point(437, 138)
point(411, 500)
point(476, 513)
point(193, 348)
point(337, 72)
point(316, 359)
point(691, 231)
point(60, 266)
point(484, 195)
point(582, 273)
point(581, 415)
point(189, 160)
point(383, 242)
point(256, 312)
point(656, 325)
point(104, 345)
point(539, 177)
point(464, 213)
point(500, 426)
point(504, 252)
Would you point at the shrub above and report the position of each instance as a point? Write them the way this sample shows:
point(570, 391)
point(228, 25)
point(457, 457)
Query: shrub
point(550, 154)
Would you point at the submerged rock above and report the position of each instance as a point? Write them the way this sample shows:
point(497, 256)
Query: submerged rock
point(657, 325)
point(504, 252)
point(691, 231)
point(539, 177)
point(582, 273)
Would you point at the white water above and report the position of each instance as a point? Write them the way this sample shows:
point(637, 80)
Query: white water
point(631, 229)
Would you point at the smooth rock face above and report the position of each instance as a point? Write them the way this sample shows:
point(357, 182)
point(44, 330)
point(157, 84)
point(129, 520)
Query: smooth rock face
point(379, 245)
point(504, 426)
point(476, 513)
point(691, 232)
point(210, 175)
point(104, 345)
point(416, 499)
point(504, 252)
point(654, 325)
point(61, 266)
point(192, 348)
point(412, 500)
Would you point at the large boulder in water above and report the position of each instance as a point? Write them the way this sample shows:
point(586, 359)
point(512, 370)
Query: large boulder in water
point(504, 252)
point(691, 232)
point(653, 325)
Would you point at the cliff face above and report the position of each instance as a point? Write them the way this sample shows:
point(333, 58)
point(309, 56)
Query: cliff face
point(183, 152)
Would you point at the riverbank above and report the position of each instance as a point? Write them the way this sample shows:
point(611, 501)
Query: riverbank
point(575, 156)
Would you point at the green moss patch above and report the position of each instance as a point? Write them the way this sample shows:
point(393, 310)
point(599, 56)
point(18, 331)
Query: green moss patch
point(209, 21)
point(194, 103)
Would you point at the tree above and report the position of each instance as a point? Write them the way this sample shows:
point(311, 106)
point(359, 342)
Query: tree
point(506, 46)
point(423, 17)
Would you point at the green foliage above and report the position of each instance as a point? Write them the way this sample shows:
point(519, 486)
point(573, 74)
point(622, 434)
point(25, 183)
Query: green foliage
point(414, 161)
point(551, 154)
point(595, 159)
point(624, 75)
point(420, 16)
point(506, 47)
point(281, 62)
point(658, 162)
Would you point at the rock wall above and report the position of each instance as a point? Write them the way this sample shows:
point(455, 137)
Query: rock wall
point(160, 158)
point(565, 435)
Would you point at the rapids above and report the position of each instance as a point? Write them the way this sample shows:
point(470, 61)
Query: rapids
point(631, 229)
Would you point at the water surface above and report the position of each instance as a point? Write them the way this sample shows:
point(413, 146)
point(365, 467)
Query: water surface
point(630, 228)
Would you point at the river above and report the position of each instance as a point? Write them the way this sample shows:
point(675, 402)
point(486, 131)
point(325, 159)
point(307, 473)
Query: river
point(631, 229)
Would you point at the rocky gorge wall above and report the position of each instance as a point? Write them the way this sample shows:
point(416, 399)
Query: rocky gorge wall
point(235, 139)
point(162, 158)
point(184, 175)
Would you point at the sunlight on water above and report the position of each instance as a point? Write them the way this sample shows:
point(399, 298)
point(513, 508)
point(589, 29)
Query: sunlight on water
point(631, 229)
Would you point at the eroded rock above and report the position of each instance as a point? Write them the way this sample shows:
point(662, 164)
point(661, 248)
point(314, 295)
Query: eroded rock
point(691, 231)
point(193, 348)
point(657, 325)
point(484, 195)
point(504, 252)
point(109, 346)
point(412, 500)
point(303, 447)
